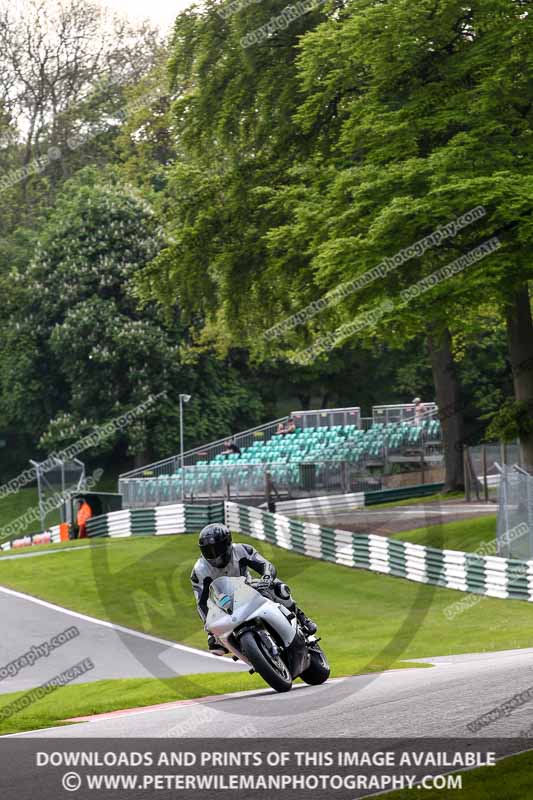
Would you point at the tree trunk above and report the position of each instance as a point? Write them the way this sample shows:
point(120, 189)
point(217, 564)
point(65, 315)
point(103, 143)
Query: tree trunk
point(447, 392)
point(140, 459)
point(520, 341)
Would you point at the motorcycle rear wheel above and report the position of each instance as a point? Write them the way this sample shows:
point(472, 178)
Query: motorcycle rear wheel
point(274, 672)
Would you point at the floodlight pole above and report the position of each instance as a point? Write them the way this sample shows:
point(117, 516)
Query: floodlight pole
point(184, 398)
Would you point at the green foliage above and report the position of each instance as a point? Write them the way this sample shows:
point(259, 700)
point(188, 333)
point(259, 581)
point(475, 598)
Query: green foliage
point(234, 185)
point(390, 620)
point(514, 420)
point(235, 143)
point(87, 350)
point(392, 135)
point(420, 139)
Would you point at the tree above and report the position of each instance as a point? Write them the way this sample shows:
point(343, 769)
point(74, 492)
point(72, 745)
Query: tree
point(428, 130)
point(235, 139)
point(54, 55)
point(86, 351)
point(402, 128)
point(64, 68)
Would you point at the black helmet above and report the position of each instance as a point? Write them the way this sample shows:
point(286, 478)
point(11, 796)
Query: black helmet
point(215, 543)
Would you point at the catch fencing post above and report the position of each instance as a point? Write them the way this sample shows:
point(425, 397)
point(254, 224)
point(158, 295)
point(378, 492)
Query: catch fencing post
point(485, 481)
point(422, 467)
point(466, 473)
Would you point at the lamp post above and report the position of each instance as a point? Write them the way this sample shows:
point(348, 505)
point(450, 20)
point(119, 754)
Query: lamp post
point(184, 398)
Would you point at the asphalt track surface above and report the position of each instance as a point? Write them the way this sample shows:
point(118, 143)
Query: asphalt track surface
point(431, 702)
point(116, 652)
point(437, 701)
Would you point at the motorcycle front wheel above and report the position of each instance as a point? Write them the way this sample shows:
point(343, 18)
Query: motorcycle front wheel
point(272, 669)
point(318, 670)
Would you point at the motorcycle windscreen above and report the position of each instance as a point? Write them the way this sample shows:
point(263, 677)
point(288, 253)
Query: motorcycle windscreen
point(221, 593)
point(233, 596)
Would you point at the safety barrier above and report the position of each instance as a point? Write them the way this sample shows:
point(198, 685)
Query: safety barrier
point(143, 522)
point(347, 502)
point(155, 521)
point(328, 504)
point(487, 575)
point(468, 572)
point(50, 536)
point(402, 493)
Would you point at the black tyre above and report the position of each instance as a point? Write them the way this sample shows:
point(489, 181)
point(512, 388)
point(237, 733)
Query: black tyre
point(318, 670)
point(273, 670)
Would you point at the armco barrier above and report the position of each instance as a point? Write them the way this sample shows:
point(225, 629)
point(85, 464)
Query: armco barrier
point(468, 572)
point(155, 521)
point(327, 504)
point(402, 493)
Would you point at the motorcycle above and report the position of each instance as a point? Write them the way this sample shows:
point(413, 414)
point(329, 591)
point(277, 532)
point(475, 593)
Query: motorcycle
point(264, 634)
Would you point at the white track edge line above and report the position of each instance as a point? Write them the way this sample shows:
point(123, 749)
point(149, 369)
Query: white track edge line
point(106, 624)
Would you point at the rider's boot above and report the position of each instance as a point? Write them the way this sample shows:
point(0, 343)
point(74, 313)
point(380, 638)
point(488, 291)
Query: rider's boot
point(307, 624)
point(215, 647)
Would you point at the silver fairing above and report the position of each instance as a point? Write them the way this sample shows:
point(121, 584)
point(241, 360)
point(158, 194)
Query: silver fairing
point(232, 602)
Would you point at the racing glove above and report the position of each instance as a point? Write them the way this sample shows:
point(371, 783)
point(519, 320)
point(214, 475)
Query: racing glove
point(263, 584)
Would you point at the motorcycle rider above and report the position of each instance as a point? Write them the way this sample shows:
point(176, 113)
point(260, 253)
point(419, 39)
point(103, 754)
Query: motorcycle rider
point(220, 557)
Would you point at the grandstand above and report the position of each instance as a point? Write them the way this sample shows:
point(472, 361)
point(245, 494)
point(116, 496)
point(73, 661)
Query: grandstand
point(331, 451)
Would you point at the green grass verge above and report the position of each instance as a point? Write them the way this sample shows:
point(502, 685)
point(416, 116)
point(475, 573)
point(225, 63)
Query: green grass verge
point(113, 695)
point(466, 535)
point(510, 779)
point(415, 501)
point(368, 622)
point(14, 506)
point(143, 582)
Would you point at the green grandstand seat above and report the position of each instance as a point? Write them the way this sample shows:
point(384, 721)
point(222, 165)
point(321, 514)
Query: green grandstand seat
point(319, 444)
point(139, 495)
point(164, 489)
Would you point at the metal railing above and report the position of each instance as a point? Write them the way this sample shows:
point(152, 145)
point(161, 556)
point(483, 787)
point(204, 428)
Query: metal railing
point(276, 481)
point(486, 458)
point(304, 419)
point(168, 466)
point(208, 476)
point(327, 417)
point(304, 474)
point(402, 412)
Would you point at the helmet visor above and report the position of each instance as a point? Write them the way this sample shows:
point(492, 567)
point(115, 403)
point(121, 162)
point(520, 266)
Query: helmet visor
point(217, 554)
point(214, 550)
